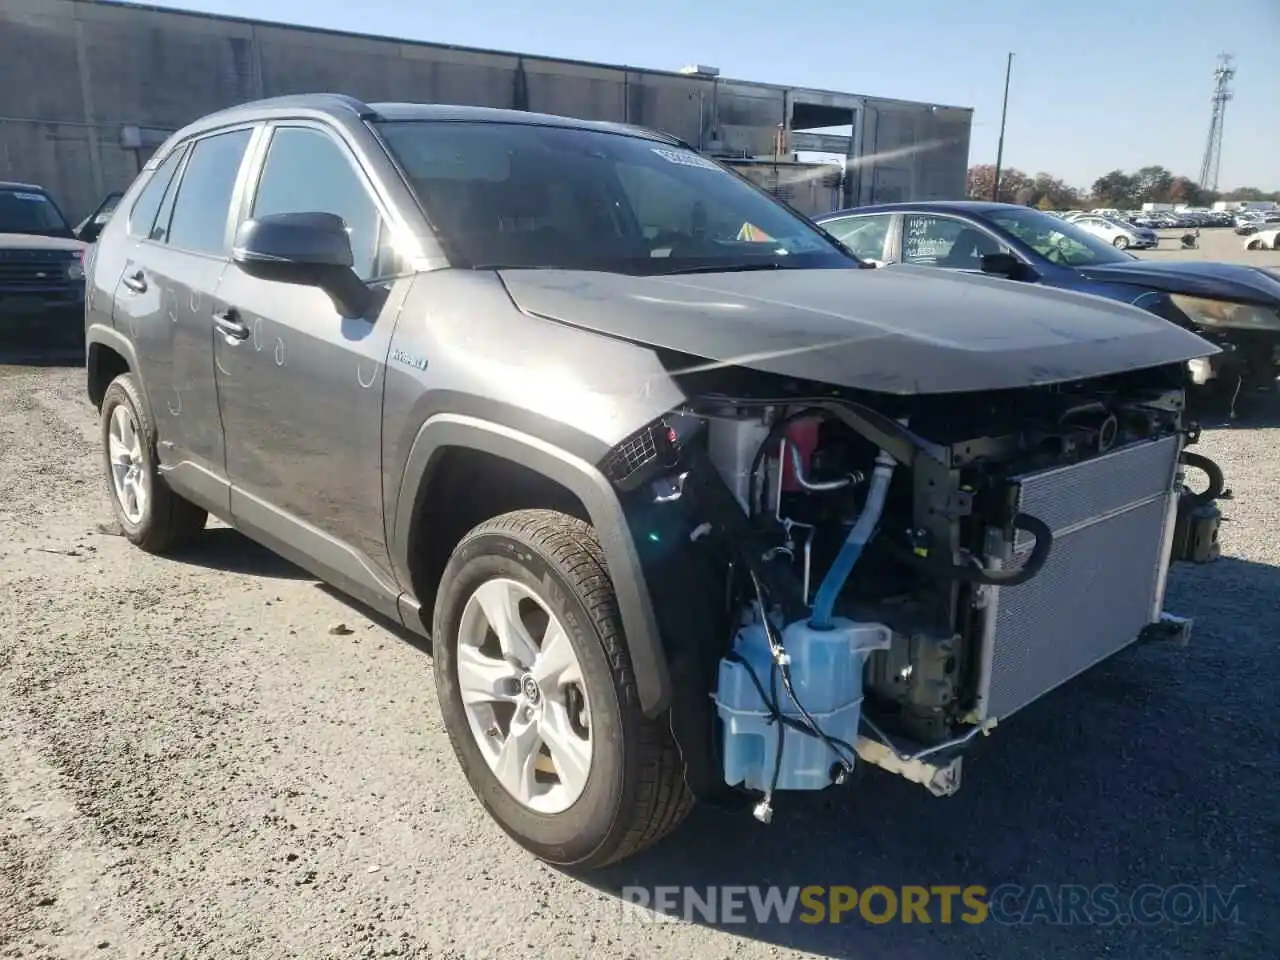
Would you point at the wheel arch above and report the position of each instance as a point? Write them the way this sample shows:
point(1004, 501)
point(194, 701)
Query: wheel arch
point(108, 353)
point(446, 436)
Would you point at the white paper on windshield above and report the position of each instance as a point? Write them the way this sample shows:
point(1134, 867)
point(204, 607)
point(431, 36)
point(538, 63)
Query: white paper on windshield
point(37, 197)
point(684, 159)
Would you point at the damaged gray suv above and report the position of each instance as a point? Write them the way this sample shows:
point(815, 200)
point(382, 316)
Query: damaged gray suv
point(691, 502)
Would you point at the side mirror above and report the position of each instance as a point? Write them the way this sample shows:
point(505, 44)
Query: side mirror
point(1003, 265)
point(307, 249)
point(89, 232)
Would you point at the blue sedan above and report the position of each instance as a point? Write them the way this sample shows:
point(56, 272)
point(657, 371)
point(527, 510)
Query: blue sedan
point(1237, 307)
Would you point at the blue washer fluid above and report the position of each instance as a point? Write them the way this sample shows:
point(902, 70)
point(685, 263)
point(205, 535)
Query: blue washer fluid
point(826, 672)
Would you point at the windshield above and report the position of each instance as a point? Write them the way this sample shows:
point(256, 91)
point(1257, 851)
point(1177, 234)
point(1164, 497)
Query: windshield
point(522, 195)
point(31, 212)
point(1059, 241)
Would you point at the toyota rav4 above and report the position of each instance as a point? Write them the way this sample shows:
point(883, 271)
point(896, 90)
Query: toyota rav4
point(690, 501)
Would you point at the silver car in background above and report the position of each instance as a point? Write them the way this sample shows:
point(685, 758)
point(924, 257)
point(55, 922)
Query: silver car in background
point(1119, 234)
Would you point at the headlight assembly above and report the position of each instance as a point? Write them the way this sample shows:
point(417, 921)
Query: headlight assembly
point(1223, 314)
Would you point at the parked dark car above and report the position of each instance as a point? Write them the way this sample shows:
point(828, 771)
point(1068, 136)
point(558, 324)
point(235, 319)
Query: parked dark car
point(592, 411)
point(41, 271)
point(1234, 305)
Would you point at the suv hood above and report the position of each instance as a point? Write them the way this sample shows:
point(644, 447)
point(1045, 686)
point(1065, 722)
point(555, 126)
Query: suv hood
point(36, 241)
point(1221, 281)
point(900, 329)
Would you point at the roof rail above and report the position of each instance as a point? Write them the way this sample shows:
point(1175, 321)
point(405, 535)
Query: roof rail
point(319, 101)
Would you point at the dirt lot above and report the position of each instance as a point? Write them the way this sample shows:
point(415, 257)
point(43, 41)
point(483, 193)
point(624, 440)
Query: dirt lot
point(196, 761)
point(1215, 244)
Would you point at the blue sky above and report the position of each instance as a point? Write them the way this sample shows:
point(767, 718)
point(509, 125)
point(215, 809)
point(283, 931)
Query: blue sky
point(1097, 84)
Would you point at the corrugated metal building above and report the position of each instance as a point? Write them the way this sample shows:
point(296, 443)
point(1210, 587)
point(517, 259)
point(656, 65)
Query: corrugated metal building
point(88, 88)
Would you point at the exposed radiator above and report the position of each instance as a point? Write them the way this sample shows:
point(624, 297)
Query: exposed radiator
point(1103, 581)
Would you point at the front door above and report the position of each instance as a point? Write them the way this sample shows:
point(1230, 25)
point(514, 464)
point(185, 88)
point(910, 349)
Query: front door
point(300, 387)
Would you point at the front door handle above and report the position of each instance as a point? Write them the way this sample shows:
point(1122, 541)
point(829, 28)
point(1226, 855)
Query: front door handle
point(136, 281)
point(228, 321)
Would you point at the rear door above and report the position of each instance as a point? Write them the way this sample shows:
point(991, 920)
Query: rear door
point(300, 387)
point(164, 303)
point(940, 240)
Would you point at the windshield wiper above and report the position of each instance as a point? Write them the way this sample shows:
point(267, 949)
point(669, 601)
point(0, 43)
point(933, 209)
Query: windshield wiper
point(727, 268)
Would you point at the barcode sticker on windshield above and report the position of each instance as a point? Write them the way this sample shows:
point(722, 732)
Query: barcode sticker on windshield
point(684, 158)
point(38, 197)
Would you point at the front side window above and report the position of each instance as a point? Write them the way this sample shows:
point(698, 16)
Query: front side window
point(865, 236)
point(142, 217)
point(525, 195)
point(945, 242)
point(1065, 242)
point(308, 172)
point(31, 212)
point(199, 221)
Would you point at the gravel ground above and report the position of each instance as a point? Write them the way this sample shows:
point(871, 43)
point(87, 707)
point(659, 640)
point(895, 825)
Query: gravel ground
point(213, 756)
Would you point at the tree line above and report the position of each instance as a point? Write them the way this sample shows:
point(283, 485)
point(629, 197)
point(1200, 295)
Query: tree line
point(1124, 191)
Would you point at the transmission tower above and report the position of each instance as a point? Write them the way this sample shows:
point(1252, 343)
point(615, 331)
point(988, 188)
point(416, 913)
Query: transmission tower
point(1222, 75)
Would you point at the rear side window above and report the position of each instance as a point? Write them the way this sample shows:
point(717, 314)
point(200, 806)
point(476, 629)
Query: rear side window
point(143, 215)
point(199, 221)
point(865, 235)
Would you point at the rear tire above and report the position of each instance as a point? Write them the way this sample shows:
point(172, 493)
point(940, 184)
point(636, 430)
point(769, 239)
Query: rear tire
point(150, 515)
point(633, 791)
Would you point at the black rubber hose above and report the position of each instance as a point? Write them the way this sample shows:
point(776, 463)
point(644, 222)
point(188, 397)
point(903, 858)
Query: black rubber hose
point(992, 578)
point(1039, 554)
point(1217, 481)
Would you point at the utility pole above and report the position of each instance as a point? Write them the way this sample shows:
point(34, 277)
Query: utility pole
point(1004, 113)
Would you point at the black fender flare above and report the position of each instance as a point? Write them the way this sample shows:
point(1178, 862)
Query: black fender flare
point(102, 335)
point(588, 484)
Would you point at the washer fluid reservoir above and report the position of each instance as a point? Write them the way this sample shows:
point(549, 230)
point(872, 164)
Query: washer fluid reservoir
point(826, 673)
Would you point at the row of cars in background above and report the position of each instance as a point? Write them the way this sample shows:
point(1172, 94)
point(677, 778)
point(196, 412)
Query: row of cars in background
point(1135, 224)
point(1235, 306)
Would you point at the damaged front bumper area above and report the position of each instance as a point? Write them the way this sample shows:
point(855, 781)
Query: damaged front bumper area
point(843, 577)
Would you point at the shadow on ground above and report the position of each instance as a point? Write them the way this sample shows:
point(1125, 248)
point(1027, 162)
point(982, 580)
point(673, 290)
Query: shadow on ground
point(223, 548)
point(28, 356)
point(1156, 767)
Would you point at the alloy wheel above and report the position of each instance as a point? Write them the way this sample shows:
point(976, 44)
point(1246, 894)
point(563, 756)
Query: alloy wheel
point(129, 476)
point(524, 695)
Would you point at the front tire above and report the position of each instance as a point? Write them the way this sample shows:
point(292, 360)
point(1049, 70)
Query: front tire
point(150, 515)
point(1121, 243)
point(537, 693)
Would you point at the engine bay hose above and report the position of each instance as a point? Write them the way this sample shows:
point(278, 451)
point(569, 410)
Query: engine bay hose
point(825, 601)
point(991, 578)
point(1217, 481)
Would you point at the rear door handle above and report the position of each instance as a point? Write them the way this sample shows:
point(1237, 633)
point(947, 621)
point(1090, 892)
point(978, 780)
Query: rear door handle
point(229, 323)
point(136, 281)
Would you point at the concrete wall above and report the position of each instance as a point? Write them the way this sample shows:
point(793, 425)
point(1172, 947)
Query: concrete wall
point(74, 73)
